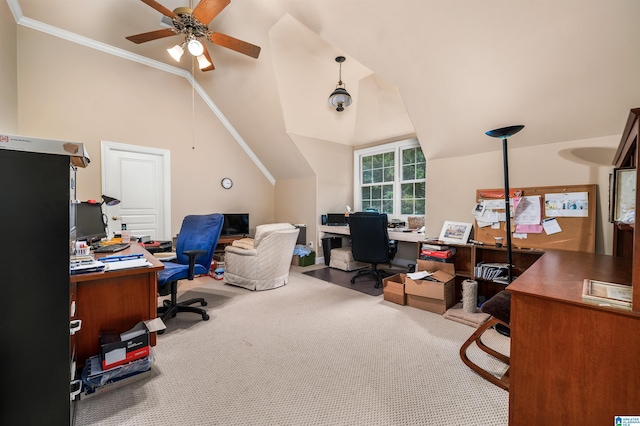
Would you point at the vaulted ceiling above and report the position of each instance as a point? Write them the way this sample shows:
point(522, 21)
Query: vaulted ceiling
point(445, 71)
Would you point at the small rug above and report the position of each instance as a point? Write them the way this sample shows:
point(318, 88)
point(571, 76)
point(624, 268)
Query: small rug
point(458, 314)
point(363, 284)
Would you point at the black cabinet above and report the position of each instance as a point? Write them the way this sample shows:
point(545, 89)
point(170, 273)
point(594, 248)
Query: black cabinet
point(34, 318)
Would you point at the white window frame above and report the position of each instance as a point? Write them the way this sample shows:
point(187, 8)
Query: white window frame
point(397, 147)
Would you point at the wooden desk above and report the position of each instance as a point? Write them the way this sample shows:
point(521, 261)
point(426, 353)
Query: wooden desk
point(114, 301)
point(572, 363)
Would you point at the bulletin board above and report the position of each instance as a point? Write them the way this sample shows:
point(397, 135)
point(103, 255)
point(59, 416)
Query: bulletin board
point(578, 230)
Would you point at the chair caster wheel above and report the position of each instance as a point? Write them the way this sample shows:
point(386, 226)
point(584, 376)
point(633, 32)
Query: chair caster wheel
point(161, 331)
point(353, 280)
point(204, 303)
point(205, 317)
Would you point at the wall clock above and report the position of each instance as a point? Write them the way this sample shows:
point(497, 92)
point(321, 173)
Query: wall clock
point(226, 183)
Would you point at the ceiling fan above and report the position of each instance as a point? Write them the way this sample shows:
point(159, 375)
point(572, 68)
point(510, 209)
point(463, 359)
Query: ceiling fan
point(193, 24)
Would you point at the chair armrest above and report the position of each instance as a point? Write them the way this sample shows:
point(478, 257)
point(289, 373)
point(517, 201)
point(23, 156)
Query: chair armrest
point(192, 261)
point(240, 251)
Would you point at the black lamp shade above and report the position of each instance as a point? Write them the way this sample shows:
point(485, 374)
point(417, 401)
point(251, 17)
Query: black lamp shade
point(504, 132)
point(110, 201)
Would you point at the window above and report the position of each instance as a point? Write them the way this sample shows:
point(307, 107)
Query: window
point(390, 178)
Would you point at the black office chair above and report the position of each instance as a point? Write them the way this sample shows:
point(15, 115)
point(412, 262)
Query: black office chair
point(370, 244)
point(196, 243)
point(499, 307)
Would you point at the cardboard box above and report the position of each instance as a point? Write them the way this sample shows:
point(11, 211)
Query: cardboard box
point(121, 348)
point(307, 260)
point(429, 295)
point(393, 289)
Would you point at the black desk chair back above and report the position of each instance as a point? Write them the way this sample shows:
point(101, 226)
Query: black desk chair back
point(370, 244)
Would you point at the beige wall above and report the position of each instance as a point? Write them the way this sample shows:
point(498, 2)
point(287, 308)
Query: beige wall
point(333, 166)
point(295, 202)
point(452, 182)
point(8, 82)
point(88, 96)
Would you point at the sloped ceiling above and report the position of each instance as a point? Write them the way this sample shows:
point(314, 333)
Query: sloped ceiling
point(446, 71)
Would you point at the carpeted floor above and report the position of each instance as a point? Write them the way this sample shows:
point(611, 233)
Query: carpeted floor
point(310, 353)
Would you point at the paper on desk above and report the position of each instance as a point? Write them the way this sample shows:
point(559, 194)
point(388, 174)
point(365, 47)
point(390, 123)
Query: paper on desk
point(127, 264)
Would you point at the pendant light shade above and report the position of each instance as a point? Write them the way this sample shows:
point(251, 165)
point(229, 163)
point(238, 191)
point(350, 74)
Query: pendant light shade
point(340, 98)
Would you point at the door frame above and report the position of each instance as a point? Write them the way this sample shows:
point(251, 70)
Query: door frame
point(107, 147)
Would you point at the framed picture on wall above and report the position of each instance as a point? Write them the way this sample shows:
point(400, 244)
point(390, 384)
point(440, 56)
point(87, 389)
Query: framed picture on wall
point(455, 232)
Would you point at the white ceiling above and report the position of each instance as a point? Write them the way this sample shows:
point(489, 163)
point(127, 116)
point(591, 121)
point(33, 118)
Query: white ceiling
point(446, 70)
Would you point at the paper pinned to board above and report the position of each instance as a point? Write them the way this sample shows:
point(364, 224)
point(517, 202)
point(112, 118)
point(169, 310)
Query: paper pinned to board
point(551, 226)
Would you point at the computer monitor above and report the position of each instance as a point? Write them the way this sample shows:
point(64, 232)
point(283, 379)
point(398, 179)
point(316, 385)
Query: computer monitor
point(235, 224)
point(90, 224)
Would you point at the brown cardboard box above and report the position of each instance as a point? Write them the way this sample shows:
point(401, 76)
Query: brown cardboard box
point(394, 289)
point(434, 296)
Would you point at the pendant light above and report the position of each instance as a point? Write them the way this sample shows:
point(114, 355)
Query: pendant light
point(340, 98)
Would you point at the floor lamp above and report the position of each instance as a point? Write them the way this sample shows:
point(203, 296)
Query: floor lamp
point(504, 133)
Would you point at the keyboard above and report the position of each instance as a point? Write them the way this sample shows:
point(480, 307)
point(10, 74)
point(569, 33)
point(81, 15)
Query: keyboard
point(111, 248)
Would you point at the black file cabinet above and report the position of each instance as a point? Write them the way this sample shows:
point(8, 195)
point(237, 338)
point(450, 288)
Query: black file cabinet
point(34, 318)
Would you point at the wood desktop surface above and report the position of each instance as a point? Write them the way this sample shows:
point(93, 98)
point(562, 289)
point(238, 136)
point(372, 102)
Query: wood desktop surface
point(114, 301)
point(572, 362)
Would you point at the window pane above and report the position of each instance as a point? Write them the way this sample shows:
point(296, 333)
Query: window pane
point(408, 172)
point(377, 161)
point(376, 192)
point(388, 174)
point(407, 190)
point(419, 207)
point(387, 207)
point(377, 176)
point(388, 192)
point(389, 159)
point(367, 176)
point(420, 190)
point(366, 192)
point(366, 163)
point(420, 156)
point(407, 207)
point(409, 156)
point(421, 171)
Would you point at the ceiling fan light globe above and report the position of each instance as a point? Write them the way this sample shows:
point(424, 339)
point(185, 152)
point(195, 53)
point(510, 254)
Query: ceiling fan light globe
point(176, 52)
point(195, 47)
point(203, 62)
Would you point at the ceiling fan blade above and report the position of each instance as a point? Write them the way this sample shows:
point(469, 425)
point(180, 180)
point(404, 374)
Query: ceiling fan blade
point(206, 54)
point(235, 44)
point(160, 8)
point(206, 10)
point(152, 35)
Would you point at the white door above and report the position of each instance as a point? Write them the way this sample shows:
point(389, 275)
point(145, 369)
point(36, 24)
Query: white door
point(140, 178)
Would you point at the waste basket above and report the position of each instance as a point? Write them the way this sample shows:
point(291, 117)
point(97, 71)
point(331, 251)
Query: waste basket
point(328, 244)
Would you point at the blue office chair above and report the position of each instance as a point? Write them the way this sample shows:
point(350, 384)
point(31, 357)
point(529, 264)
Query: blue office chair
point(196, 243)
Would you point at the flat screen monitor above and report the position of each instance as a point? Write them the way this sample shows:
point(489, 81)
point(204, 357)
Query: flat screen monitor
point(235, 224)
point(89, 222)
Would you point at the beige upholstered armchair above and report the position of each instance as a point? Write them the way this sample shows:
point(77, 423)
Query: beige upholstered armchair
point(263, 262)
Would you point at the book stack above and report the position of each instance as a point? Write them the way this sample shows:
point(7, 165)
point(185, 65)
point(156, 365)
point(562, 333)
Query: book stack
point(437, 252)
